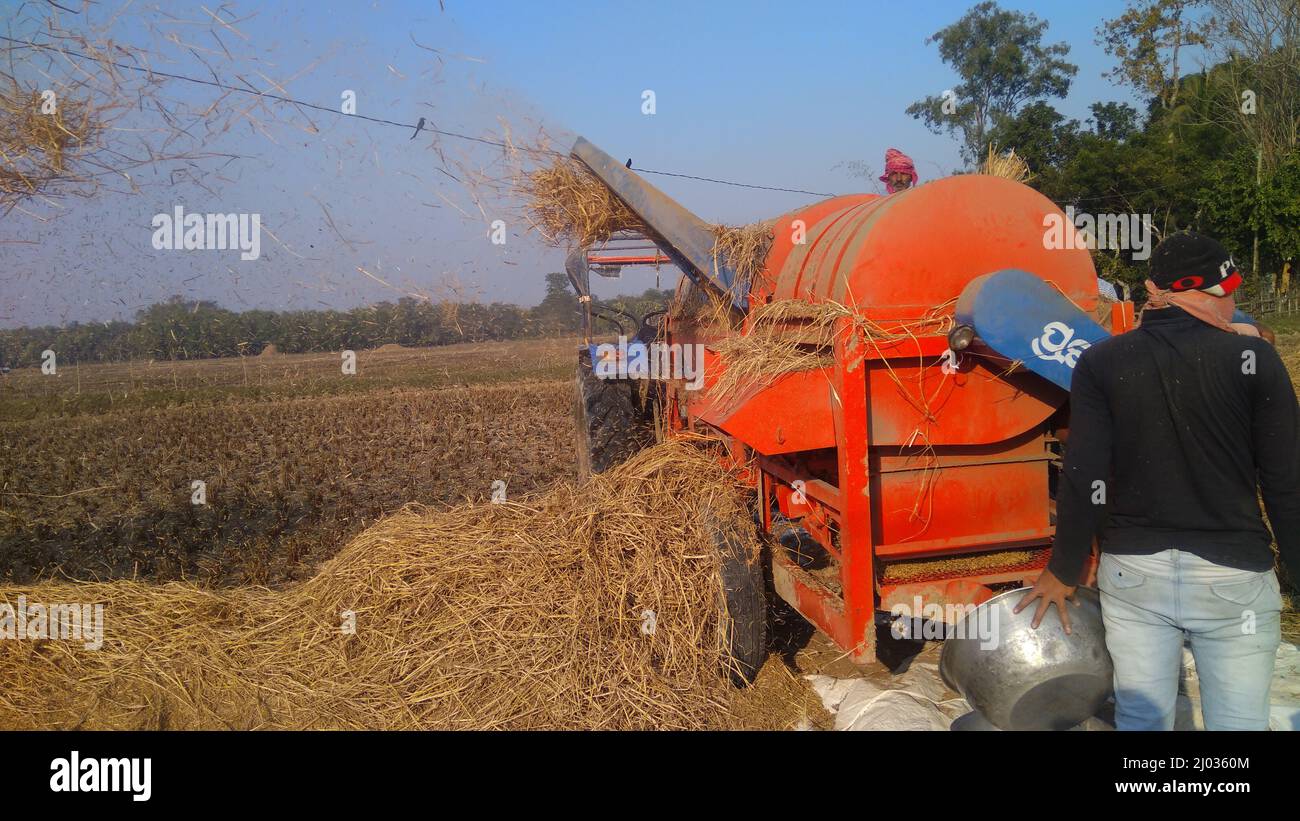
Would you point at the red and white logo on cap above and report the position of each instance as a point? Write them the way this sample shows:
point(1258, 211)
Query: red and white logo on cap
point(1229, 279)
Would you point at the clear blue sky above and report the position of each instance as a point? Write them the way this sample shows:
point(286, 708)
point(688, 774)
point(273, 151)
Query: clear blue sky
point(773, 93)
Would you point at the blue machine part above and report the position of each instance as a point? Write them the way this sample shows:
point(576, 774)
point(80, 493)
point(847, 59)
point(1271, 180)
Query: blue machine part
point(1024, 318)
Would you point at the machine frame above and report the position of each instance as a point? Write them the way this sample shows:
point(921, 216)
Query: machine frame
point(834, 490)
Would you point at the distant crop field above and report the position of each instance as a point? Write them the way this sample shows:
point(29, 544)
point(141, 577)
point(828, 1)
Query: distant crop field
point(98, 464)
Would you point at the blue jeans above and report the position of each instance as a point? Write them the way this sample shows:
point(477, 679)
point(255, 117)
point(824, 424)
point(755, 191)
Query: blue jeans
point(1151, 604)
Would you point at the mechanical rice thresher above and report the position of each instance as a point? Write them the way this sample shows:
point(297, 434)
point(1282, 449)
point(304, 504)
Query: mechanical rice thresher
point(918, 464)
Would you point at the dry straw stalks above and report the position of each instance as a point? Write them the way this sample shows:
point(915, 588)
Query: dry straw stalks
point(43, 140)
point(744, 250)
point(567, 205)
point(1007, 165)
point(526, 614)
point(82, 113)
point(784, 336)
point(790, 335)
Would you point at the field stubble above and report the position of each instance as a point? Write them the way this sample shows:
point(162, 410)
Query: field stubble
point(93, 488)
point(96, 466)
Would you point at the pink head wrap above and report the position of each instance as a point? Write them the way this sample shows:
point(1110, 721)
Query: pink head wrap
point(1215, 311)
point(896, 160)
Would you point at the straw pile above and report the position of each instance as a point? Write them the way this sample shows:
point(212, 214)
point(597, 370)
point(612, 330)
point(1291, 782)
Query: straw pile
point(39, 149)
point(519, 615)
point(1007, 165)
point(744, 249)
point(567, 204)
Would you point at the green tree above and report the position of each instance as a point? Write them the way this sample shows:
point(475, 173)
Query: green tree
point(558, 311)
point(1114, 121)
point(1039, 133)
point(1148, 41)
point(1235, 210)
point(1003, 65)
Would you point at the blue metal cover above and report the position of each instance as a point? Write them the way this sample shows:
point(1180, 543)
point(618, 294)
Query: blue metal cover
point(1022, 317)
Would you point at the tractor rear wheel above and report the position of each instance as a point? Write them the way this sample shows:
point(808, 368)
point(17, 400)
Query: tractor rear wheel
point(611, 423)
point(742, 601)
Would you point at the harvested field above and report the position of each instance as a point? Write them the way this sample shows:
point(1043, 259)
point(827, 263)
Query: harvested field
point(84, 390)
point(240, 599)
point(97, 483)
point(301, 461)
point(517, 615)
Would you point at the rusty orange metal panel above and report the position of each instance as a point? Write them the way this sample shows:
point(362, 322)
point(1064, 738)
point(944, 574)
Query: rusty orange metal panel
point(961, 505)
point(917, 249)
point(792, 414)
point(850, 401)
point(975, 405)
point(811, 599)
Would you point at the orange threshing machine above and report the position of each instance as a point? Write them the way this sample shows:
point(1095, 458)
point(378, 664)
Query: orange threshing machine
point(931, 437)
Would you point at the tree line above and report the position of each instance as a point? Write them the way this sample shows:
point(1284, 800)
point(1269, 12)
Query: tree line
point(1214, 149)
point(180, 328)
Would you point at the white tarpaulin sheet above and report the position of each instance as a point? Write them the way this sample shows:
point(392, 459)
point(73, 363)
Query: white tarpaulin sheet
point(918, 699)
point(914, 700)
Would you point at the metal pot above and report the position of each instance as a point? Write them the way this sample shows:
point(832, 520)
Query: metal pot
point(1020, 678)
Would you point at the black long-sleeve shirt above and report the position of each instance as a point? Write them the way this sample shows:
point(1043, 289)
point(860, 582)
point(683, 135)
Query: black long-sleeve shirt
point(1179, 421)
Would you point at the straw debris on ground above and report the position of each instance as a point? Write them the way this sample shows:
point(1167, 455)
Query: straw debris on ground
point(520, 615)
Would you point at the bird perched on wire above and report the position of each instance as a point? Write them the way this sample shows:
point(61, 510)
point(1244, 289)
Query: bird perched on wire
point(418, 126)
point(629, 162)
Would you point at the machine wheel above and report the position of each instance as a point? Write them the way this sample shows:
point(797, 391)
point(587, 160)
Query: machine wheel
point(610, 424)
point(742, 602)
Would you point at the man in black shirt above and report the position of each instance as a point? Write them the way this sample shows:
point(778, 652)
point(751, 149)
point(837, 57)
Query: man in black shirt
point(1174, 427)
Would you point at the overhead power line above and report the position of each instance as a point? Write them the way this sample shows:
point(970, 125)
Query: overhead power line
point(380, 120)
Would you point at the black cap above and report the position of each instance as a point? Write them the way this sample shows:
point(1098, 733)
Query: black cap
point(1188, 261)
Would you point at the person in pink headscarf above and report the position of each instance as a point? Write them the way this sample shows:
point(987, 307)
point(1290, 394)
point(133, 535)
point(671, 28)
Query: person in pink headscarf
point(900, 174)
